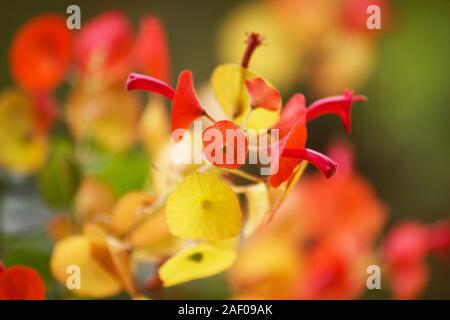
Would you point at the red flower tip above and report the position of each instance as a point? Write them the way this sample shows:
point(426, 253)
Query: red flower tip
point(326, 165)
point(21, 283)
point(40, 53)
point(185, 105)
point(151, 51)
point(262, 95)
point(254, 40)
point(339, 105)
point(136, 81)
point(226, 145)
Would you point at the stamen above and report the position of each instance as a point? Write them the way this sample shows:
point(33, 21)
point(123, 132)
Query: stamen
point(254, 40)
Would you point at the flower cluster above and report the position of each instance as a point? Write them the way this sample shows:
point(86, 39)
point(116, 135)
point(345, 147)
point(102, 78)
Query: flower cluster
point(135, 222)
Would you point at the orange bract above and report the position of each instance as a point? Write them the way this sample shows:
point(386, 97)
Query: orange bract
point(40, 53)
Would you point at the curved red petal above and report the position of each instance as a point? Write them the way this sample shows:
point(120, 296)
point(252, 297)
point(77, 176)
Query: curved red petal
point(283, 167)
point(151, 52)
point(40, 53)
point(232, 144)
point(339, 105)
point(294, 112)
point(21, 283)
point(136, 81)
point(262, 95)
point(185, 105)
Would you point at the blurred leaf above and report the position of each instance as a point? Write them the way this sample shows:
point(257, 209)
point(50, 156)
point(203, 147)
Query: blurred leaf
point(124, 172)
point(59, 180)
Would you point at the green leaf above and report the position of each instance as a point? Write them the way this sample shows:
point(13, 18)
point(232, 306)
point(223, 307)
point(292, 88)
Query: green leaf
point(59, 180)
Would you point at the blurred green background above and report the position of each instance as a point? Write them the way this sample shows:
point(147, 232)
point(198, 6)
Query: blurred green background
point(401, 135)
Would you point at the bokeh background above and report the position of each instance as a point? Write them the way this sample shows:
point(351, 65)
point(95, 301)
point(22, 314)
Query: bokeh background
point(401, 136)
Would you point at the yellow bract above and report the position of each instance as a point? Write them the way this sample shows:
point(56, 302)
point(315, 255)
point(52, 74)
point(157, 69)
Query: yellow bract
point(203, 207)
point(94, 200)
point(96, 279)
point(22, 149)
point(267, 266)
point(199, 261)
point(258, 207)
point(227, 81)
point(129, 209)
point(229, 88)
point(153, 231)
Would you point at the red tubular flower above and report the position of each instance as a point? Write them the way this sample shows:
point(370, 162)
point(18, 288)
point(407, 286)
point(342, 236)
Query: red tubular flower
point(320, 161)
point(262, 95)
point(105, 44)
point(185, 105)
point(332, 270)
point(151, 53)
point(291, 148)
point(406, 244)
point(40, 53)
point(404, 253)
point(294, 112)
point(21, 283)
point(340, 105)
point(233, 140)
point(138, 81)
point(292, 135)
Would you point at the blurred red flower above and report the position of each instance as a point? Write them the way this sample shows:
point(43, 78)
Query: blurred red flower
point(404, 255)
point(21, 283)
